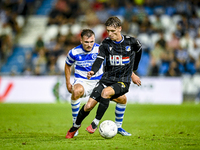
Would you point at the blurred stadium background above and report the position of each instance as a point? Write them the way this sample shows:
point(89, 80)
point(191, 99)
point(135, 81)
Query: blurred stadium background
point(36, 35)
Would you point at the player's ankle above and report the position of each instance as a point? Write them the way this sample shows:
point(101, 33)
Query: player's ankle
point(93, 125)
point(73, 129)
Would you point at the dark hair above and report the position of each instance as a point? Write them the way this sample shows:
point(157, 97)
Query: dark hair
point(113, 21)
point(87, 32)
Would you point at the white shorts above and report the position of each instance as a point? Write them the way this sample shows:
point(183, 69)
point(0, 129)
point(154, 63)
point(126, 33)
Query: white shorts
point(88, 85)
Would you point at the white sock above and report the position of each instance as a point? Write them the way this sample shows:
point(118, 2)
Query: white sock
point(77, 126)
point(119, 114)
point(75, 104)
point(96, 121)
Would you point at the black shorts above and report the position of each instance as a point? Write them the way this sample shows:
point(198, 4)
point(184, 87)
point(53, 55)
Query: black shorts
point(120, 89)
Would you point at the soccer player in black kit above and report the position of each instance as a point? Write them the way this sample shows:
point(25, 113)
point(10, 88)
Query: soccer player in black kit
point(122, 54)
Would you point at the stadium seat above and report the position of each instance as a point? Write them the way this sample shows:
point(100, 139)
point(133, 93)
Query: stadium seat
point(163, 68)
point(166, 21)
point(76, 28)
point(159, 10)
point(176, 18)
point(191, 68)
point(148, 10)
point(20, 21)
point(170, 10)
point(51, 32)
point(144, 39)
point(154, 38)
point(143, 67)
point(64, 29)
point(152, 18)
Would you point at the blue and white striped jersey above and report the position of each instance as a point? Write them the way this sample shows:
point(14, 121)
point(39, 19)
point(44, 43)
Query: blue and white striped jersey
point(83, 61)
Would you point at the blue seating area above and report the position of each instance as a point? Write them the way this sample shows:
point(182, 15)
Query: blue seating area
point(16, 61)
point(45, 7)
point(144, 64)
point(145, 21)
point(164, 68)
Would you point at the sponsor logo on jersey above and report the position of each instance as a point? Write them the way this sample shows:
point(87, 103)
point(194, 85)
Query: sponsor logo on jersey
point(117, 60)
point(128, 48)
point(122, 84)
point(86, 63)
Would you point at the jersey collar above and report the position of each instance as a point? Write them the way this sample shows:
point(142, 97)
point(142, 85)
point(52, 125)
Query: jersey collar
point(119, 41)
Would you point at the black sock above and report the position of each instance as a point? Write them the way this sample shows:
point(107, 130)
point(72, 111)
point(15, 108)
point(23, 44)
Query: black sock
point(73, 129)
point(103, 105)
point(93, 125)
point(81, 115)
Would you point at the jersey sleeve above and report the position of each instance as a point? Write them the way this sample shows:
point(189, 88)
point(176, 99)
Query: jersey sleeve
point(137, 59)
point(99, 60)
point(70, 59)
point(137, 46)
point(102, 51)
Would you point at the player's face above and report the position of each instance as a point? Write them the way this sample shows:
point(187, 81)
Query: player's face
point(88, 42)
point(114, 33)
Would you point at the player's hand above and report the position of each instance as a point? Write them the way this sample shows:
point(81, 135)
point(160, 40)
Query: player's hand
point(69, 87)
point(90, 74)
point(136, 79)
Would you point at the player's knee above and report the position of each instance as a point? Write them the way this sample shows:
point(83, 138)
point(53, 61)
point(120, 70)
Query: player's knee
point(88, 107)
point(105, 94)
point(77, 93)
point(123, 100)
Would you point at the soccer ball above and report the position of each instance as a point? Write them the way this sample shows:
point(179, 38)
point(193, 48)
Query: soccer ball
point(108, 129)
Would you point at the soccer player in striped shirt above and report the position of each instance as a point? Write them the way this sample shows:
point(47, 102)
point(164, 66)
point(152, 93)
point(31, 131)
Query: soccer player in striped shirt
point(122, 54)
point(83, 56)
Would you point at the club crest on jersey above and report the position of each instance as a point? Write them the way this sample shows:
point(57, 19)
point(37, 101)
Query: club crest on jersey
point(117, 60)
point(128, 48)
point(94, 56)
point(110, 48)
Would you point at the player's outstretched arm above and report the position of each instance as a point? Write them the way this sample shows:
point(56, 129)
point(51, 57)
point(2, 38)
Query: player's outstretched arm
point(135, 79)
point(90, 74)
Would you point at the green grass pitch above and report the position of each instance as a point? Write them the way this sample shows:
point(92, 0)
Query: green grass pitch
point(44, 126)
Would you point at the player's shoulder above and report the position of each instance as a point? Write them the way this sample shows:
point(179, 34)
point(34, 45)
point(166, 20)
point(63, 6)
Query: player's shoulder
point(96, 45)
point(77, 47)
point(106, 41)
point(95, 48)
point(76, 50)
point(132, 39)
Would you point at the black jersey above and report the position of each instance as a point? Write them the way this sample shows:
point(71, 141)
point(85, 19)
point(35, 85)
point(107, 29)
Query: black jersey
point(122, 58)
